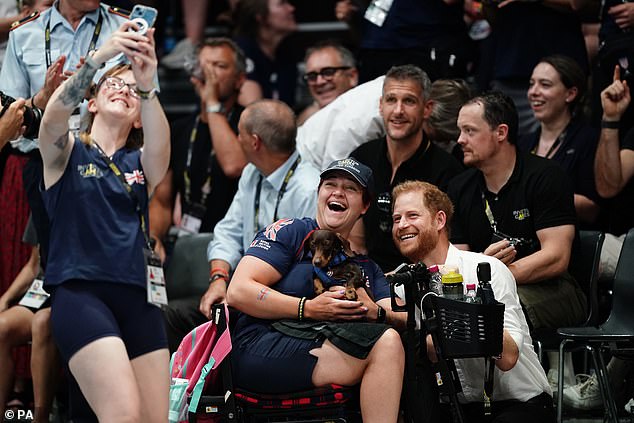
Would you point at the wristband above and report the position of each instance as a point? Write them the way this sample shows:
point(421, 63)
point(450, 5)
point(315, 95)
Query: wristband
point(217, 276)
point(300, 309)
point(220, 271)
point(88, 60)
point(381, 315)
point(147, 95)
point(610, 124)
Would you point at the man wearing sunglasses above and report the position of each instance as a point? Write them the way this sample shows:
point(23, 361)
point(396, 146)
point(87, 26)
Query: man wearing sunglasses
point(330, 71)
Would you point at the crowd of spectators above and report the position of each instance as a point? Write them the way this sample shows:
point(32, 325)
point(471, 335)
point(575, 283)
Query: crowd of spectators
point(510, 175)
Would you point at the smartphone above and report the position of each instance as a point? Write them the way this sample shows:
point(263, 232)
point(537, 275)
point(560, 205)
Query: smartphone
point(144, 17)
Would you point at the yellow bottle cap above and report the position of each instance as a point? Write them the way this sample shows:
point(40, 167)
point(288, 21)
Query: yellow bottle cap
point(452, 277)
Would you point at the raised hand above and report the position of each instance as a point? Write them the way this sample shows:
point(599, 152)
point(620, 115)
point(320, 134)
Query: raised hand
point(615, 97)
point(623, 15)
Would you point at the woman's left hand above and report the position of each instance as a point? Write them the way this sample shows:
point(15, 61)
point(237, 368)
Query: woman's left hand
point(144, 62)
point(332, 305)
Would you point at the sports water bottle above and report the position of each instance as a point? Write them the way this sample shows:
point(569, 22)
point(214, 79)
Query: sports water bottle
point(452, 286)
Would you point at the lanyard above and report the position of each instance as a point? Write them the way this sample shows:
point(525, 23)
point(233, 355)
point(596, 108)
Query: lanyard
point(488, 212)
point(553, 147)
point(129, 190)
point(47, 38)
point(206, 187)
point(280, 194)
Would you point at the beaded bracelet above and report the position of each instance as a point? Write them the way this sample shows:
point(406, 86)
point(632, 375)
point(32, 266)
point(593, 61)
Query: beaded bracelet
point(300, 308)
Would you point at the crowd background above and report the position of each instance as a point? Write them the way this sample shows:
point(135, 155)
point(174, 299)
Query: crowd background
point(465, 48)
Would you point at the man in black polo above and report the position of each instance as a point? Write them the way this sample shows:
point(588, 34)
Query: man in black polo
point(206, 160)
point(517, 208)
point(405, 153)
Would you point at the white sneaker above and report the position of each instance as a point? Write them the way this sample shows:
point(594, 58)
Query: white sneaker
point(629, 407)
point(585, 395)
point(176, 58)
point(552, 381)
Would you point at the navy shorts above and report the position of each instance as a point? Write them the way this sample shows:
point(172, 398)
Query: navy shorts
point(84, 311)
point(269, 362)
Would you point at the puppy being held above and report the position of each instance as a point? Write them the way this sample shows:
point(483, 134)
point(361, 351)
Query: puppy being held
point(333, 264)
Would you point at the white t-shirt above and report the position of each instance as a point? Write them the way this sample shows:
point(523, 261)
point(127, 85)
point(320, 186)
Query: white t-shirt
point(527, 379)
point(339, 128)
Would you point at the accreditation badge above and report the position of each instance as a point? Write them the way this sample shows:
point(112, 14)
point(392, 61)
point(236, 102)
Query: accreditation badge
point(377, 11)
point(193, 218)
point(35, 297)
point(156, 291)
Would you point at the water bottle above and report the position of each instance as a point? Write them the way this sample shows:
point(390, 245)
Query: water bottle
point(452, 285)
point(435, 280)
point(472, 296)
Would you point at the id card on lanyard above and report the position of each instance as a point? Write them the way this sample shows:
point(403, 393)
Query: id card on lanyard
point(377, 11)
point(155, 279)
point(156, 291)
point(194, 212)
point(35, 296)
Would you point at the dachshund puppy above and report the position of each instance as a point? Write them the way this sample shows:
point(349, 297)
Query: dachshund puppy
point(333, 265)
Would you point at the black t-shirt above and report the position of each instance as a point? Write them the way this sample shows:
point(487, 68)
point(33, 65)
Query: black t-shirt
point(415, 24)
point(575, 155)
point(525, 32)
point(538, 195)
point(277, 77)
point(430, 164)
point(204, 164)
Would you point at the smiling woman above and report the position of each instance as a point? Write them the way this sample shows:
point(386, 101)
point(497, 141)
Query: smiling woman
point(556, 94)
point(101, 320)
point(276, 348)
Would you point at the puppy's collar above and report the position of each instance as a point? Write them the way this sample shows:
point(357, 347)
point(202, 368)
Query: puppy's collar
point(324, 274)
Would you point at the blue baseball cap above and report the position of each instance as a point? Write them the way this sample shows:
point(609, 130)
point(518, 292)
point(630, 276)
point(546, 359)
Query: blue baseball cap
point(359, 172)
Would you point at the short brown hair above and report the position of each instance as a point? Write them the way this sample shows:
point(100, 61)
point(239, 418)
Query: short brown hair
point(135, 136)
point(433, 198)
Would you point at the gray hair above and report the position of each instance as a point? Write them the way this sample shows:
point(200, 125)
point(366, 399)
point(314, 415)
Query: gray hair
point(345, 55)
point(410, 73)
point(274, 122)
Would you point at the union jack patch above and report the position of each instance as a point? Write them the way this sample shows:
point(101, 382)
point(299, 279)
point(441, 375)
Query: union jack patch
point(136, 176)
point(271, 231)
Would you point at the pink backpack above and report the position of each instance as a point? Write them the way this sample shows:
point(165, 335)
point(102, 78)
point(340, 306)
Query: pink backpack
point(195, 363)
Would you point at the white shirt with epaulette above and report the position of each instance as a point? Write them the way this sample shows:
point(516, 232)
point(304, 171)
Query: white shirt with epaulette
point(24, 68)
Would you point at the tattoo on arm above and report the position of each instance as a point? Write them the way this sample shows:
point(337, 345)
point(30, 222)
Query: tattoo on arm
point(75, 89)
point(61, 142)
point(264, 292)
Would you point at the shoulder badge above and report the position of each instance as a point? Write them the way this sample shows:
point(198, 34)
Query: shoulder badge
point(118, 11)
point(33, 16)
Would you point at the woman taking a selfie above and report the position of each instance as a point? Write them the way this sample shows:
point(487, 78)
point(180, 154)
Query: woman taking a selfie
point(96, 192)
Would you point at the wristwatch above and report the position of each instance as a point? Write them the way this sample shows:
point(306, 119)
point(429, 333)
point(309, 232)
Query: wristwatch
point(214, 108)
point(381, 315)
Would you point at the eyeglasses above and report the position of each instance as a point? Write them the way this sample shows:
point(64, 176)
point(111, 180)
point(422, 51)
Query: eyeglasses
point(114, 83)
point(326, 73)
